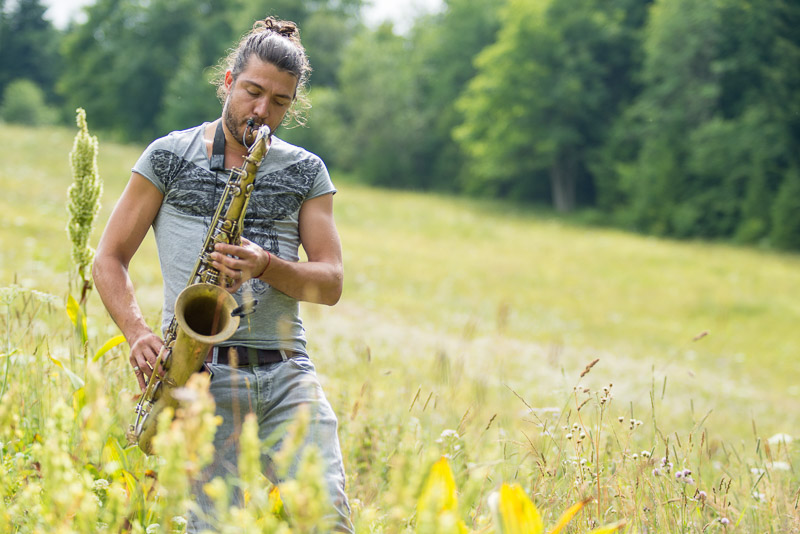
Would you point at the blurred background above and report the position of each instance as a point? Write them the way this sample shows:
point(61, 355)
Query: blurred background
point(672, 117)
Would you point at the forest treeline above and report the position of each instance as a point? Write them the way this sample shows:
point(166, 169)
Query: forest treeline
point(671, 117)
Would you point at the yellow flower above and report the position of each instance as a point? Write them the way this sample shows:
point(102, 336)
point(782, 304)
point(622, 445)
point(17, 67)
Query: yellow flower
point(515, 513)
point(437, 507)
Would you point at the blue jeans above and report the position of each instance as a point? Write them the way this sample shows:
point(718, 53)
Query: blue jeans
point(275, 392)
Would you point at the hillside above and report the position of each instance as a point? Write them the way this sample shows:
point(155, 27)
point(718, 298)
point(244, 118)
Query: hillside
point(488, 312)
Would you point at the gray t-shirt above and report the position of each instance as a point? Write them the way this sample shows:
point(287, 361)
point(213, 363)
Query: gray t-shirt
point(178, 165)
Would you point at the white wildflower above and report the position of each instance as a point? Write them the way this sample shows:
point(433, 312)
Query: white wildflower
point(780, 466)
point(777, 439)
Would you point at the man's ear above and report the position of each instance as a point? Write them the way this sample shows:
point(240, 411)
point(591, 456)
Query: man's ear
point(228, 80)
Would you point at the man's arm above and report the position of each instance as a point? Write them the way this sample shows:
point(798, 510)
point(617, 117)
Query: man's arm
point(318, 280)
point(132, 217)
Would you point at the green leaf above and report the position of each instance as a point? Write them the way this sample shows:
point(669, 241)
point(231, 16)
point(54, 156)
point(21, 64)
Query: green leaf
point(78, 400)
point(130, 481)
point(92, 470)
point(567, 516)
point(439, 493)
point(438, 502)
point(113, 453)
point(516, 513)
point(75, 380)
point(107, 346)
point(4, 355)
point(78, 318)
point(608, 529)
point(115, 456)
point(73, 310)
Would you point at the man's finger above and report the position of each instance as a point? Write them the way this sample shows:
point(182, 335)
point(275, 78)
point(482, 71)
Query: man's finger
point(227, 248)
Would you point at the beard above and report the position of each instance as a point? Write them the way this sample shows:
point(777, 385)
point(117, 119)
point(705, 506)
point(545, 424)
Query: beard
point(238, 128)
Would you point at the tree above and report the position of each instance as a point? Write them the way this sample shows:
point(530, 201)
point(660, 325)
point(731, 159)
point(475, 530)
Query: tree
point(190, 93)
point(388, 116)
point(28, 46)
point(543, 100)
point(786, 213)
point(326, 33)
point(716, 140)
point(444, 49)
point(326, 27)
point(189, 96)
point(118, 62)
point(141, 68)
point(383, 129)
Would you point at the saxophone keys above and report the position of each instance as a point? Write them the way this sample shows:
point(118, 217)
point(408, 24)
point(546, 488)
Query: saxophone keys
point(132, 436)
point(154, 396)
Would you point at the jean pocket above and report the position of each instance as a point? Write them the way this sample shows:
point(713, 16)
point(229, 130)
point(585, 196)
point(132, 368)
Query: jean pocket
point(303, 363)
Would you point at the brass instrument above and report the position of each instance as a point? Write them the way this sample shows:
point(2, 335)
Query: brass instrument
point(205, 313)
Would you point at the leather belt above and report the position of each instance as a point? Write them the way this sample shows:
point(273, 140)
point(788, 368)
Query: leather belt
point(241, 356)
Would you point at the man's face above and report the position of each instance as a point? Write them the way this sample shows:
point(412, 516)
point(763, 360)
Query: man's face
point(261, 92)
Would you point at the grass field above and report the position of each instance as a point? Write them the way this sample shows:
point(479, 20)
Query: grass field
point(463, 331)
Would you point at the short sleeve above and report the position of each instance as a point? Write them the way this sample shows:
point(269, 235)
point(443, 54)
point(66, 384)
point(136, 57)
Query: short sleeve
point(145, 166)
point(323, 185)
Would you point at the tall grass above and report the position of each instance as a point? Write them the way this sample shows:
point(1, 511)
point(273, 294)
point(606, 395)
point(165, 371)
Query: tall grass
point(468, 330)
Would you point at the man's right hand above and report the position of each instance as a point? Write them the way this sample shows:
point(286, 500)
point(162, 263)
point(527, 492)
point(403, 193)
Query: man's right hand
point(144, 353)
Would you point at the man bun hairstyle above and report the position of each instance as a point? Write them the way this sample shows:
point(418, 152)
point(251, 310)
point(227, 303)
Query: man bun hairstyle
point(277, 42)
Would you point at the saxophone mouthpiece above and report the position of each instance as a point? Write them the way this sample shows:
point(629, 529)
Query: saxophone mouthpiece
point(253, 133)
point(249, 132)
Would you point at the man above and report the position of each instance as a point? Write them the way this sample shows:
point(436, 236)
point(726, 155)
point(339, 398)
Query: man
point(175, 187)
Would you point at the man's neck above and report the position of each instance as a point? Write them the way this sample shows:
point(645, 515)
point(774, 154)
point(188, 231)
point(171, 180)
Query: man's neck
point(234, 149)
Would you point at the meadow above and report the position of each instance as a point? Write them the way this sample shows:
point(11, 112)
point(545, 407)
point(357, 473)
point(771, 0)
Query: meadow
point(652, 380)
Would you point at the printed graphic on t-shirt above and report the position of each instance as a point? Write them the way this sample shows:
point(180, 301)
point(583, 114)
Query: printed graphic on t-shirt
point(196, 191)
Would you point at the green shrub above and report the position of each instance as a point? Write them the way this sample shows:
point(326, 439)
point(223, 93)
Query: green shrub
point(786, 214)
point(24, 103)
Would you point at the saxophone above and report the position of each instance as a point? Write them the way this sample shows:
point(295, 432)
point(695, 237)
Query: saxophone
point(205, 313)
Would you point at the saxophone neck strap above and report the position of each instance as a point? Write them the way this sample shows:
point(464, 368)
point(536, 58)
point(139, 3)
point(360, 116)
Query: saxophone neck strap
point(218, 149)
